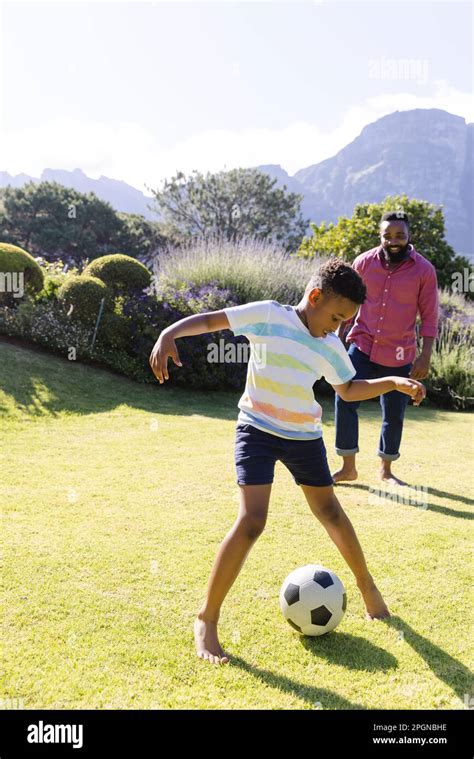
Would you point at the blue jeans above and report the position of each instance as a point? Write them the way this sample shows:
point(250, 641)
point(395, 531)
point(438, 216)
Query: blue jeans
point(393, 409)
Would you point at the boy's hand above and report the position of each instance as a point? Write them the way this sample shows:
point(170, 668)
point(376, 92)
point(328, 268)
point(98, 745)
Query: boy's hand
point(411, 387)
point(164, 347)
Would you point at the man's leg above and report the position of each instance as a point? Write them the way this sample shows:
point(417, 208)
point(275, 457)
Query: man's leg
point(393, 413)
point(250, 522)
point(326, 507)
point(346, 419)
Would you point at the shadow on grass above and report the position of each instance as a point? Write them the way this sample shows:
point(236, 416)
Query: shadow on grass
point(350, 651)
point(327, 699)
point(426, 507)
point(452, 672)
point(356, 653)
point(41, 383)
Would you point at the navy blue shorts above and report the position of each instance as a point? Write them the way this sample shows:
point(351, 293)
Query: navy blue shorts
point(257, 451)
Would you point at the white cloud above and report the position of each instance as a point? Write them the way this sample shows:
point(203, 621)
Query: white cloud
point(129, 152)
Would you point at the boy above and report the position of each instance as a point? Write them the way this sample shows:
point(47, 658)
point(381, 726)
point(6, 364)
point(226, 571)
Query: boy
point(279, 419)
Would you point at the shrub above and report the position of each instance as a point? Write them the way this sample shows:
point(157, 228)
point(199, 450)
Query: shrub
point(122, 274)
point(451, 379)
point(84, 294)
point(55, 274)
point(252, 269)
point(456, 307)
point(131, 323)
point(46, 324)
point(51, 286)
point(114, 331)
point(195, 299)
point(15, 259)
point(148, 317)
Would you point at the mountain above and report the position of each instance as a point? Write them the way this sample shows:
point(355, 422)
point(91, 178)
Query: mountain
point(120, 195)
point(423, 153)
point(310, 201)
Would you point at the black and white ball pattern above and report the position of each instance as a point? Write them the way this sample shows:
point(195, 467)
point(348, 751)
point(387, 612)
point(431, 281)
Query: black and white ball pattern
point(313, 599)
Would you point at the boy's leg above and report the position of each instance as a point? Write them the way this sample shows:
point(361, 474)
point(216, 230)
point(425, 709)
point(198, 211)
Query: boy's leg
point(250, 522)
point(393, 412)
point(326, 507)
point(346, 420)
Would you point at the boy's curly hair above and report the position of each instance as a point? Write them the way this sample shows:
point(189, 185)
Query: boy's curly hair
point(339, 278)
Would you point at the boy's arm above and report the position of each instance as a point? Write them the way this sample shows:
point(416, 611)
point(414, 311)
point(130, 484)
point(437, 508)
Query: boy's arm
point(361, 390)
point(165, 346)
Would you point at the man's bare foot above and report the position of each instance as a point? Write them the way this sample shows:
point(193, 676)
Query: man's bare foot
point(390, 479)
point(375, 606)
point(207, 642)
point(345, 475)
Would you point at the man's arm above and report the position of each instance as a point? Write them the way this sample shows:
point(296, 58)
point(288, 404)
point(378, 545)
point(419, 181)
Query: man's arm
point(362, 390)
point(165, 346)
point(428, 309)
point(342, 329)
point(421, 366)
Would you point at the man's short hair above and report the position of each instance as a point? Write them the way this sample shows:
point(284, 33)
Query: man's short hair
point(336, 277)
point(395, 216)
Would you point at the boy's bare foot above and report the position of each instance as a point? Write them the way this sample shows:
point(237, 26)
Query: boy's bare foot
point(345, 475)
point(207, 642)
point(376, 607)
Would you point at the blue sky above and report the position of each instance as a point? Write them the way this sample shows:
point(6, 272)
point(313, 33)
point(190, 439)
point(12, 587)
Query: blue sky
point(137, 91)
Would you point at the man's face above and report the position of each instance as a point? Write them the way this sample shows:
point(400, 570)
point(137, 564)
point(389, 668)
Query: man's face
point(394, 236)
point(326, 311)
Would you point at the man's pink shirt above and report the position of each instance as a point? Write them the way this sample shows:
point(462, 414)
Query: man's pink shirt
point(384, 327)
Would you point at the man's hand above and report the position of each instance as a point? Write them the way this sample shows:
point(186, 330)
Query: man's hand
point(164, 347)
point(421, 367)
point(410, 387)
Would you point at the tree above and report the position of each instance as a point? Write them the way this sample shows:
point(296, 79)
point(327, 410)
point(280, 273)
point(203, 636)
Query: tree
point(54, 221)
point(230, 204)
point(350, 237)
point(140, 237)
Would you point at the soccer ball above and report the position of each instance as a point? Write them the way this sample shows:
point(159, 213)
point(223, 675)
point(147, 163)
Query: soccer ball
point(313, 599)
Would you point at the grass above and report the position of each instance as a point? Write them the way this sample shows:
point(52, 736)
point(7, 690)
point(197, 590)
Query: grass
point(116, 497)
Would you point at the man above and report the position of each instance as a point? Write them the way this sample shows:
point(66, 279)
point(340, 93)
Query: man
point(400, 283)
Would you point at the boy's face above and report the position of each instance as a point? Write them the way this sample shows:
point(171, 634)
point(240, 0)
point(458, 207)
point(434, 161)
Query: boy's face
point(394, 236)
point(325, 311)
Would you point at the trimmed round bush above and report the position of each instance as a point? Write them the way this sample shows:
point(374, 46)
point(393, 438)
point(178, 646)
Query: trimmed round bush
point(123, 274)
point(84, 294)
point(52, 283)
point(15, 259)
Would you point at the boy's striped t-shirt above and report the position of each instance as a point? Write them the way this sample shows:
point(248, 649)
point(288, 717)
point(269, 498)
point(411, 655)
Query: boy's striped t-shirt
point(285, 362)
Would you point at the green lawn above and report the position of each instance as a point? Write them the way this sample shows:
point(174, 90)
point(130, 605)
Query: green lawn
point(116, 498)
